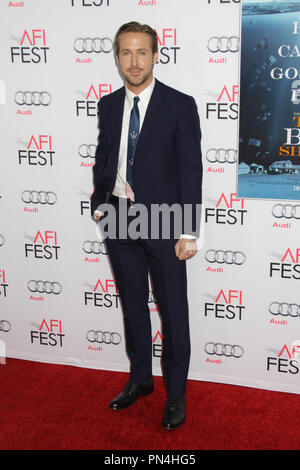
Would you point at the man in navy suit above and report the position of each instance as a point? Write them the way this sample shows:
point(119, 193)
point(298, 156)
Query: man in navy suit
point(149, 153)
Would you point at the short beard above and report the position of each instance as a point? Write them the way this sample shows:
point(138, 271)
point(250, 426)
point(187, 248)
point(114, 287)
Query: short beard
point(137, 84)
point(141, 81)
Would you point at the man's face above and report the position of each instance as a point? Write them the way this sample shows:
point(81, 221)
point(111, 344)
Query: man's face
point(136, 60)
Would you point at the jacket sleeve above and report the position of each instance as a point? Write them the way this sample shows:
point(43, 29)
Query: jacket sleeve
point(188, 144)
point(98, 196)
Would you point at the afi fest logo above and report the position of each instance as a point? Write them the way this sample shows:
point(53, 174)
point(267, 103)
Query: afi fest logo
point(287, 360)
point(33, 48)
point(44, 246)
point(167, 45)
point(103, 294)
point(48, 334)
point(226, 305)
point(3, 283)
point(90, 3)
point(39, 151)
point(226, 106)
point(232, 214)
point(88, 106)
point(289, 267)
point(157, 344)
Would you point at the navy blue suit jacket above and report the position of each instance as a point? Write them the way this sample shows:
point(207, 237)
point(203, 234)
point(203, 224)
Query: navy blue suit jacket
point(167, 163)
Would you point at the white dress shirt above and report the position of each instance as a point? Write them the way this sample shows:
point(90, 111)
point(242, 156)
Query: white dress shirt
point(144, 98)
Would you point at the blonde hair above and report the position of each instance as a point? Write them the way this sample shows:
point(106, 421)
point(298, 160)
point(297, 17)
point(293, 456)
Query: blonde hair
point(135, 27)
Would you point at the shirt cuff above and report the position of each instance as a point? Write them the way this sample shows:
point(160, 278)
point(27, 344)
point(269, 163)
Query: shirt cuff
point(190, 237)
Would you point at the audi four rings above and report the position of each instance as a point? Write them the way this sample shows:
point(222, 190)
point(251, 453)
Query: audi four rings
point(103, 337)
point(228, 257)
point(227, 350)
point(95, 247)
point(39, 197)
point(87, 150)
point(1, 240)
point(221, 155)
point(93, 45)
point(287, 211)
point(284, 309)
point(5, 326)
point(36, 98)
point(223, 44)
point(44, 287)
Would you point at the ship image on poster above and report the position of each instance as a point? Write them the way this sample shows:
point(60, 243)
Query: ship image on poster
point(269, 127)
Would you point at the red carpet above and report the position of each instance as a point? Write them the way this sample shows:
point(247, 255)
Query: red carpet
point(45, 406)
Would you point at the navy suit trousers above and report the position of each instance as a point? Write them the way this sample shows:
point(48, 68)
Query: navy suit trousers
point(131, 260)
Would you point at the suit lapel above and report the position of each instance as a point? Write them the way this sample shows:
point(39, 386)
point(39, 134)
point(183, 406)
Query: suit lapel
point(117, 116)
point(152, 112)
point(149, 120)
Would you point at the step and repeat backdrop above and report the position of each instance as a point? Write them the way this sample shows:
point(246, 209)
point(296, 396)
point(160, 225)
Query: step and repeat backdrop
point(58, 299)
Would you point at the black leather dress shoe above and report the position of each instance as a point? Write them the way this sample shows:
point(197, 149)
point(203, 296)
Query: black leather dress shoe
point(174, 414)
point(131, 393)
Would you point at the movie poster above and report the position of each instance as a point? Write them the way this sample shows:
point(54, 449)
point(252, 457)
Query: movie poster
point(269, 130)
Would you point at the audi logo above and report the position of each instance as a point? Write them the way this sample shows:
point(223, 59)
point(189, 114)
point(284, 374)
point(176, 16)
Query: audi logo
point(284, 309)
point(227, 350)
point(95, 247)
point(223, 44)
point(93, 45)
point(39, 197)
point(86, 150)
point(103, 337)
point(2, 240)
point(44, 287)
point(36, 98)
point(221, 155)
point(5, 326)
point(228, 257)
point(287, 211)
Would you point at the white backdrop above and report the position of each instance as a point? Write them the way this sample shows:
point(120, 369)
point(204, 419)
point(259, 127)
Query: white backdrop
point(58, 301)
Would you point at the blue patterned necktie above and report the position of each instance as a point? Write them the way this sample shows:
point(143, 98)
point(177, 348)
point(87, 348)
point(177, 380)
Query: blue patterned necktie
point(133, 137)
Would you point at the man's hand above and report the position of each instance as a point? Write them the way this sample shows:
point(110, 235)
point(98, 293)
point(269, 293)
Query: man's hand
point(186, 248)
